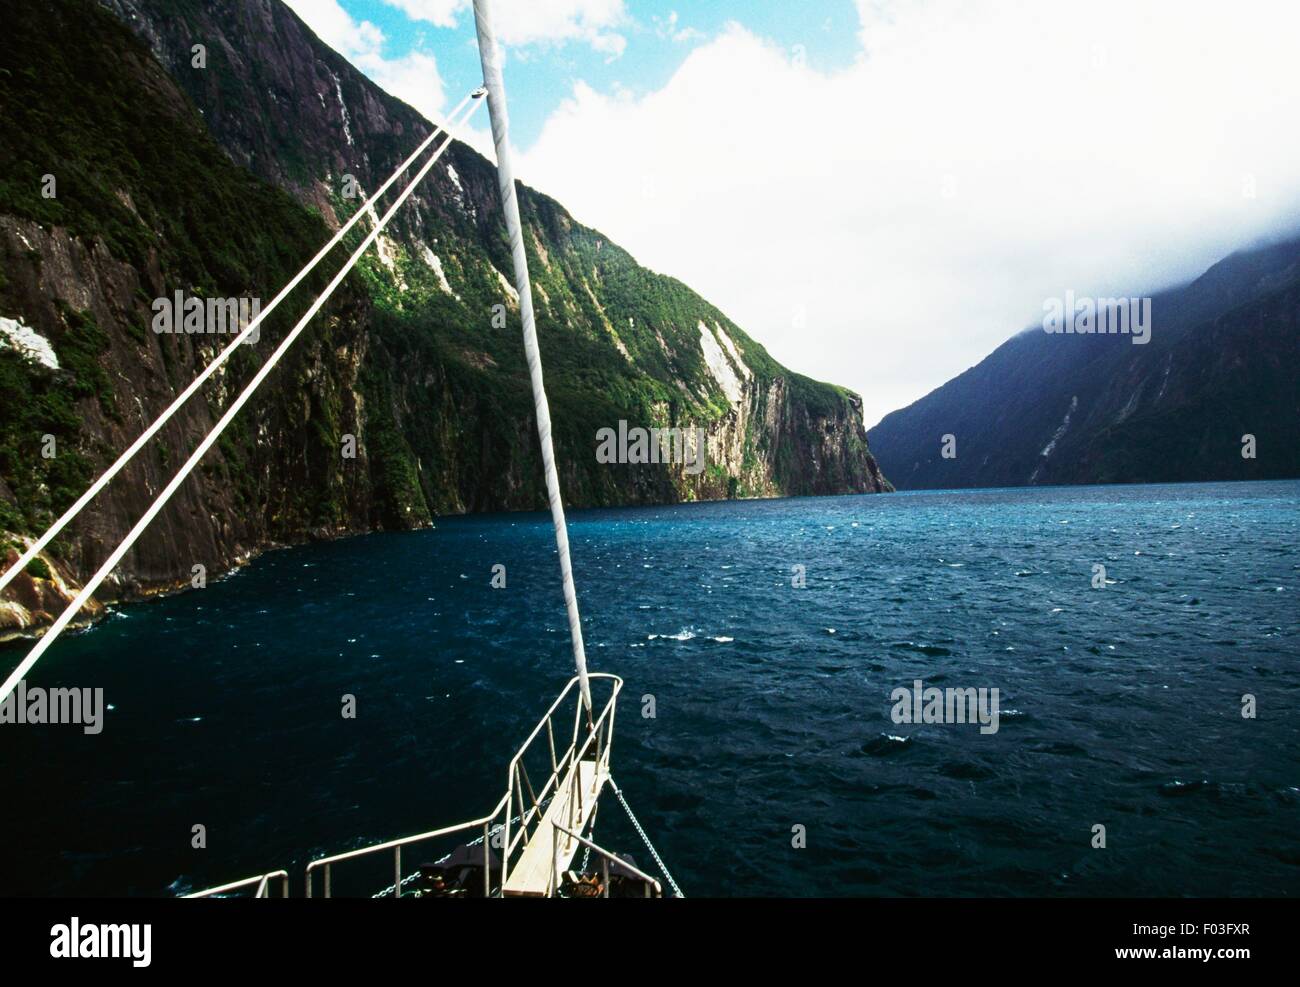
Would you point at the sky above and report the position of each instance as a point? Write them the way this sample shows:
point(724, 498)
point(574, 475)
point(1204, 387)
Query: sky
point(881, 191)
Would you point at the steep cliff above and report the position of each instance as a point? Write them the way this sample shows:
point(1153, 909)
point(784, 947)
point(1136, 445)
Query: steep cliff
point(219, 182)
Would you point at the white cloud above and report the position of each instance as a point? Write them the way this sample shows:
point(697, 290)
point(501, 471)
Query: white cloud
point(527, 22)
point(413, 77)
point(337, 28)
point(667, 27)
point(441, 13)
point(887, 225)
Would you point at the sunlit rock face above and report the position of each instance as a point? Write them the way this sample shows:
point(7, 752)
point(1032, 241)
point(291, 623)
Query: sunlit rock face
point(408, 395)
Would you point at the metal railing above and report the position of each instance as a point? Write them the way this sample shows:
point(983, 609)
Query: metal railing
point(325, 864)
point(597, 741)
point(606, 857)
point(263, 882)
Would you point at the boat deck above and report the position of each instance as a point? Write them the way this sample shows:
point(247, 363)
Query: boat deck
point(532, 874)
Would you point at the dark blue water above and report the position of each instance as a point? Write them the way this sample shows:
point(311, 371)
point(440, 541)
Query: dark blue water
point(1120, 707)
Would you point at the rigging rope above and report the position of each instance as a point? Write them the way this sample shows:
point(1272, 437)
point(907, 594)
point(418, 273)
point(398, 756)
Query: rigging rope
point(39, 545)
point(648, 845)
point(496, 94)
point(92, 584)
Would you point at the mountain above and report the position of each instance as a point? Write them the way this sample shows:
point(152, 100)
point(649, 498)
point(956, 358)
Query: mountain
point(220, 181)
point(1222, 362)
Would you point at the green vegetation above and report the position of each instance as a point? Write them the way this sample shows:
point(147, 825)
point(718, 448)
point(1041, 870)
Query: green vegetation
point(39, 403)
point(446, 413)
point(133, 171)
point(137, 172)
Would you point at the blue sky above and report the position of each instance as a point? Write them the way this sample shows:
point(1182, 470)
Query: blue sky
point(880, 191)
point(657, 35)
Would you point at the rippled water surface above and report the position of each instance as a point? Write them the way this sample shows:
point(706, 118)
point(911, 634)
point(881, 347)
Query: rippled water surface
point(1120, 707)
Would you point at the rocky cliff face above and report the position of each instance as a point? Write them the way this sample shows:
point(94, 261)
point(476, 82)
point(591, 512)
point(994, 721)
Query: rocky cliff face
point(220, 182)
point(291, 110)
point(141, 202)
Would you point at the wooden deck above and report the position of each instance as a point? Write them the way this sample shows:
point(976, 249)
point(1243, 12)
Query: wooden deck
point(531, 875)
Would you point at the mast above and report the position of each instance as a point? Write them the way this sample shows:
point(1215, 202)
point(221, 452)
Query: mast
point(496, 95)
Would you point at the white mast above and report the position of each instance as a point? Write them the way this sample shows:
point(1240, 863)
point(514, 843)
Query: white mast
point(496, 94)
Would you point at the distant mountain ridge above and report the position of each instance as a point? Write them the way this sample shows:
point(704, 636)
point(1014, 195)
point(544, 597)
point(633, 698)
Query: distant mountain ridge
point(1223, 362)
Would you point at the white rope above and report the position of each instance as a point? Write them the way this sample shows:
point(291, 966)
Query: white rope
point(39, 545)
point(645, 839)
point(93, 583)
point(496, 92)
